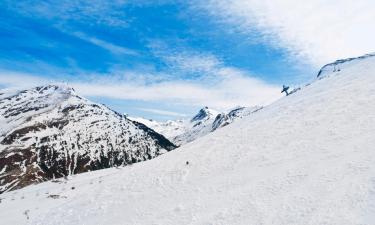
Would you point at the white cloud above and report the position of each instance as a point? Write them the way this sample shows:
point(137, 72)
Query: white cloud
point(162, 112)
point(232, 87)
point(114, 49)
point(16, 80)
point(214, 85)
point(184, 60)
point(93, 12)
point(319, 31)
point(192, 62)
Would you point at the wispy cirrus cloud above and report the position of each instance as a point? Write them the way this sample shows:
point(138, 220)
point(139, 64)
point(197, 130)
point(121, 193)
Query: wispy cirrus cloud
point(185, 60)
point(162, 112)
point(113, 48)
point(192, 62)
point(318, 31)
point(235, 87)
point(231, 87)
point(94, 12)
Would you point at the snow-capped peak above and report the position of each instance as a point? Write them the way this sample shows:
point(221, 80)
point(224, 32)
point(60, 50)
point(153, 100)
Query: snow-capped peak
point(204, 113)
point(205, 121)
point(48, 132)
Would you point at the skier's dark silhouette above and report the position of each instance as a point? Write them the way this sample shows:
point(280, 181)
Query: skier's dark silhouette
point(187, 162)
point(285, 89)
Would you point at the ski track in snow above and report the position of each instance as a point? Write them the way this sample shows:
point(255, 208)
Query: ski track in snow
point(306, 159)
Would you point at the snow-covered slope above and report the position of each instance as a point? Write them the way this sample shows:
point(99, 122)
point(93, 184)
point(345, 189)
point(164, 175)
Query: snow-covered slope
point(204, 122)
point(49, 131)
point(306, 159)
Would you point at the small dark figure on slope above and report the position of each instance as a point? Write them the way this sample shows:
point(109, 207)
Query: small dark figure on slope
point(285, 89)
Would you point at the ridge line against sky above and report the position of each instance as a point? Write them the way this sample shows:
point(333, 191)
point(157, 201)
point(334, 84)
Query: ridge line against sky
point(173, 57)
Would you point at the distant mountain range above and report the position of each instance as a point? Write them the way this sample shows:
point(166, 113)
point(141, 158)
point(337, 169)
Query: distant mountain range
point(205, 121)
point(49, 132)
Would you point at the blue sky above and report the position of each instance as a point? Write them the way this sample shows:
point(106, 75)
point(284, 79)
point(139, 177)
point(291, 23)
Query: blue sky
point(166, 59)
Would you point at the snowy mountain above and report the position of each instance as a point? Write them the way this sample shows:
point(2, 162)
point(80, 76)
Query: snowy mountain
point(204, 122)
point(168, 129)
point(224, 119)
point(49, 132)
point(308, 158)
point(198, 126)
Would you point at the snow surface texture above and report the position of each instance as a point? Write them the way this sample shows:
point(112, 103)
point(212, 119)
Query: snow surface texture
point(205, 121)
point(49, 132)
point(306, 159)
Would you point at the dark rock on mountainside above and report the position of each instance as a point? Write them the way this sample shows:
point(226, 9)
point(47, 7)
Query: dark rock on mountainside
point(49, 132)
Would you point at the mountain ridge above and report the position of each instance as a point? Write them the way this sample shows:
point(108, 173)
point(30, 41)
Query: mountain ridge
point(205, 121)
point(49, 132)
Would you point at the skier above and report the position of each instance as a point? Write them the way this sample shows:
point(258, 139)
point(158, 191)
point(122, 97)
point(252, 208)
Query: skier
point(285, 89)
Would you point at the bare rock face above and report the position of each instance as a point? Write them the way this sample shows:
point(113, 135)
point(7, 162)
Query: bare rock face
point(50, 132)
